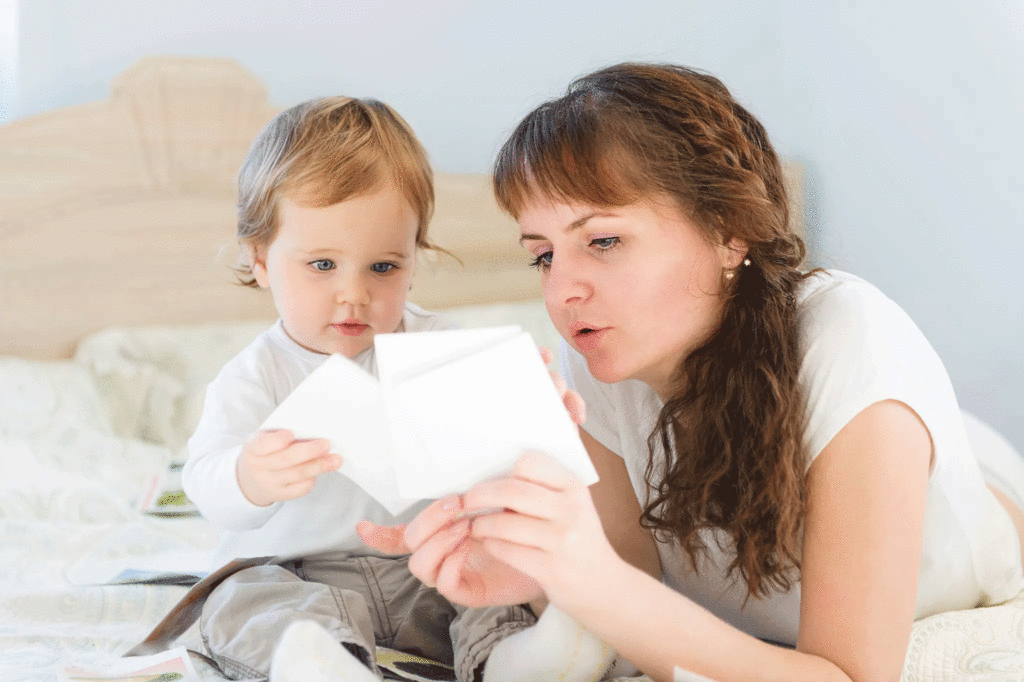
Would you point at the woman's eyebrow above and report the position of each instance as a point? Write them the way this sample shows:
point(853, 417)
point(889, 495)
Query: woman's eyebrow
point(579, 222)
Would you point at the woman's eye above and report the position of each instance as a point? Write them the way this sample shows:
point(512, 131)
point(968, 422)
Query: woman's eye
point(542, 261)
point(381, 268)
point(323, 264)
point(605, 243)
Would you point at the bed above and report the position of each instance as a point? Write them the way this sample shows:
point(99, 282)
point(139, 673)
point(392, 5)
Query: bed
point(116, 241)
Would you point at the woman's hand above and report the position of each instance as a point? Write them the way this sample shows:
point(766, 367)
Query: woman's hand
point(446, 557)
point(549, 530)
point(572, 400)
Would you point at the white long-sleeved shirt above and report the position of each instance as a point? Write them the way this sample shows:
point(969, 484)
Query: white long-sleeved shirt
point(237, 402)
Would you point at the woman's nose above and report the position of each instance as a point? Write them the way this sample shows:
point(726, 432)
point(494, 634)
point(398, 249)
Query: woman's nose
point(566, 282)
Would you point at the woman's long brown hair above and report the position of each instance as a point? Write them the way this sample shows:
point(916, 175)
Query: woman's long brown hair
point(732, 429)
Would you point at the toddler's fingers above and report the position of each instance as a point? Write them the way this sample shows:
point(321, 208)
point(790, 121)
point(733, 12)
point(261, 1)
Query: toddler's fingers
point(296, 489)
point(303, 451)
point(268, 442)
point(307, 470)
point(546, 355)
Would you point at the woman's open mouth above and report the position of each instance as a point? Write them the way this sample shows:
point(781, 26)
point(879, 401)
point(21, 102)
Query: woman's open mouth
point(587, 338)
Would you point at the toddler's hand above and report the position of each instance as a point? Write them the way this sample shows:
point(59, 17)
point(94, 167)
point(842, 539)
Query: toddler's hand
point(572, 400)
point(274, 467)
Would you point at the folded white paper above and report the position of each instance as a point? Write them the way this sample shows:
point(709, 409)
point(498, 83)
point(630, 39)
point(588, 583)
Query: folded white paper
point(451, 409)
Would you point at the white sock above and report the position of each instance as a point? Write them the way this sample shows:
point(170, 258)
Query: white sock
point(308, 653)
point(556, 648)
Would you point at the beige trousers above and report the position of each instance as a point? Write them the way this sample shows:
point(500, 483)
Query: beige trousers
point(362, 601)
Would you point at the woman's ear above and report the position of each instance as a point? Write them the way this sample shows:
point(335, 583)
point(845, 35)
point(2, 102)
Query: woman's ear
point(258, 264)
point(734, 251)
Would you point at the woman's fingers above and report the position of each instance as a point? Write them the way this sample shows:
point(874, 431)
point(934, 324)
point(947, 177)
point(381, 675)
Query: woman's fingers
point(544, 470)
point(436, 516)
point(523, 558)
point(515, 494)
point(559, 382)
point(450, 576)
point(428, 559)
point(575, 406)
point(387, 539)
point(525, 531)
point(572, 400)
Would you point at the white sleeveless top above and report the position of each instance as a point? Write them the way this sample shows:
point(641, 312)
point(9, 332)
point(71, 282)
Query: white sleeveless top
point(857, 348)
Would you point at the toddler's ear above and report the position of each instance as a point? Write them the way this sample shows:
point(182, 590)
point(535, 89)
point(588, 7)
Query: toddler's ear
point(257, 259)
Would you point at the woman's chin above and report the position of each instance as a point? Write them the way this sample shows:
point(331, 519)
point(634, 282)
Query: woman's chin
point(605, 371)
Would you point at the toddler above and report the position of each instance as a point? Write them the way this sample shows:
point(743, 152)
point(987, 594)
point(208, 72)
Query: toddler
point(334, 200)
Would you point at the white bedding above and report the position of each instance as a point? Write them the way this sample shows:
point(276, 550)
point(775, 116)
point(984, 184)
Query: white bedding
point(80, 441)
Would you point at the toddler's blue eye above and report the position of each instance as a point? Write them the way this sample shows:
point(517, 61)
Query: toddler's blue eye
point(323, 264)
point(543, 261)
point(381, 268)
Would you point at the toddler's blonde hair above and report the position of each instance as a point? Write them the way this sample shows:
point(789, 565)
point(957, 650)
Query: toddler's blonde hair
point(324, 151)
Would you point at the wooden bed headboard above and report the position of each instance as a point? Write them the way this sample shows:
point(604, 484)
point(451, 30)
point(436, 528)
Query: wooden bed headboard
point(122, 213)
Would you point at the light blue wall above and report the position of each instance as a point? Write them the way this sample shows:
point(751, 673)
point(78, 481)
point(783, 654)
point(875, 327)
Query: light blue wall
point(912, 131)
point(906, 115)
point(8, 59)
point(462, 72)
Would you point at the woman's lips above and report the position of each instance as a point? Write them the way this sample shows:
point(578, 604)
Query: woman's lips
point(587, 339)
point(351, 328)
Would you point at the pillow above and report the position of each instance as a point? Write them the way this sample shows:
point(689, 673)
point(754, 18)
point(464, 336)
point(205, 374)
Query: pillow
point(60, 457)
point(153, 379)
point(38, 397)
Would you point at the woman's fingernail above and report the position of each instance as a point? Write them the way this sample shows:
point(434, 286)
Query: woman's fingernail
point(450, 503)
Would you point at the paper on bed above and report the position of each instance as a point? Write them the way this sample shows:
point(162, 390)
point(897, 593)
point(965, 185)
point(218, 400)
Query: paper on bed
point(174, 664)
point(451, 409)
point(149, 550)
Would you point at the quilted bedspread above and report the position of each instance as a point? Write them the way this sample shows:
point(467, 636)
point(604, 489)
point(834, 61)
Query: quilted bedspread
point(81, 442)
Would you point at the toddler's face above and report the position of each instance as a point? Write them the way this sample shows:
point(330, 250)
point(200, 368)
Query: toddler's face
point(340, 274)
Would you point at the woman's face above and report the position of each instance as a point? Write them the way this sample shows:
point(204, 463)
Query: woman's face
point(633, 289)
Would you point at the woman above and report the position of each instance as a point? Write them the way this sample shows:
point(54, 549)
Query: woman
point(786, 445)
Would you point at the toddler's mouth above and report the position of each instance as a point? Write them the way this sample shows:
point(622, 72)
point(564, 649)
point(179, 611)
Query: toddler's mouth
point(351, 328)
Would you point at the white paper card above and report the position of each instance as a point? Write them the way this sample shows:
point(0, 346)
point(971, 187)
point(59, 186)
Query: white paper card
point(505, 405)
point(341, 402)
point(452, 408)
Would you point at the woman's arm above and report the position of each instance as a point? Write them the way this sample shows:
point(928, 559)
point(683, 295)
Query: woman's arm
point(866, 498)
point(617, 505)
point(862, 542)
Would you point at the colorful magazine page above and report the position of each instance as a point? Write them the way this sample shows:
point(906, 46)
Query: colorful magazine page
point(168, 666)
